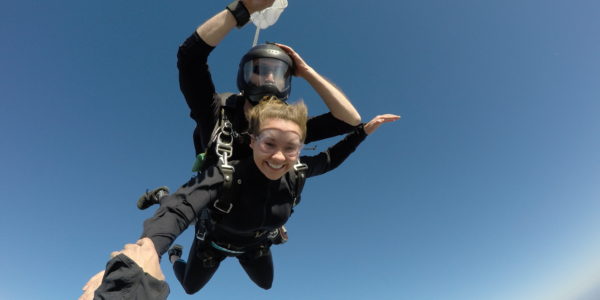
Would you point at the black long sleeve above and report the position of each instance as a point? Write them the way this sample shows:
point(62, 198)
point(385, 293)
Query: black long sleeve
point(124, 279)
point(178, 210)
point(336, 154)
point(195, 82)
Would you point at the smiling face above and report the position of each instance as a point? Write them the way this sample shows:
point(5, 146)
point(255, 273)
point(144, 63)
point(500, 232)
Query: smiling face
point(276, 147)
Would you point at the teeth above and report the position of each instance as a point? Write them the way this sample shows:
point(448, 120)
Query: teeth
point(274, 166)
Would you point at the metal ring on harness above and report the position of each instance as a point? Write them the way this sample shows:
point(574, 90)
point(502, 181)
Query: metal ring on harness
point(201, 235)
point(223, 210)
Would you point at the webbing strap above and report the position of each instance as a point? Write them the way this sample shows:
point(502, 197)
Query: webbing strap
point(224, 150)
point(229, 251)
point(300, 172)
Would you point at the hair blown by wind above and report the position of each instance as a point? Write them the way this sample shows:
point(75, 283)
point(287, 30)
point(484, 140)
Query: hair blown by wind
point(274, 108)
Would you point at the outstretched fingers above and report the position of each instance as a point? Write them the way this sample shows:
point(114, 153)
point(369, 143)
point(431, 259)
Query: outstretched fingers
point(372, 125)
point(299, 63)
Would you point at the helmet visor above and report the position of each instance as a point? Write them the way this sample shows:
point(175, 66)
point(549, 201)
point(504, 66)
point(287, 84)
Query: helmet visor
point(268, 72)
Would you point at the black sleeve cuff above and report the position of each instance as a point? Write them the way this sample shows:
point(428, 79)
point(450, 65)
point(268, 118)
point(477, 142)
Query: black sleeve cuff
point(360, 131)
point(124, 279)
point(239, 12)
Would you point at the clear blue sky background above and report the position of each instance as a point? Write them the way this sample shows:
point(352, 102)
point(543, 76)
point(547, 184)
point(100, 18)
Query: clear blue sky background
point(488, 188)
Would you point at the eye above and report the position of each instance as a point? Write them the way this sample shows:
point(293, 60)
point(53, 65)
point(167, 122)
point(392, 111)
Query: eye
point(290, 149)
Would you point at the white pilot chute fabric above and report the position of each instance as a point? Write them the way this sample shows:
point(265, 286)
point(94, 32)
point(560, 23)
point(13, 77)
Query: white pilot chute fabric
point(267, 17)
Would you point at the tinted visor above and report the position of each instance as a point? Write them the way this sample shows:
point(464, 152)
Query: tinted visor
point(268, 72)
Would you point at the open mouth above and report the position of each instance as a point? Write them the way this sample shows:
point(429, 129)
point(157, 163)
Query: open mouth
point(274, 166)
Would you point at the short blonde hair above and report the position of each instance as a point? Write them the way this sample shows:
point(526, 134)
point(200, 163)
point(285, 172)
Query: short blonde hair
point(274, 108)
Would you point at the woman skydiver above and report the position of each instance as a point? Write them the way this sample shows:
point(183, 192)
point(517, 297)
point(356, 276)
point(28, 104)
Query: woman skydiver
point(263, 195)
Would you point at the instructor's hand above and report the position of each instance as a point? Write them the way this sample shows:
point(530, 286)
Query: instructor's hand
point(302, 68)
point(257, 5)
point(144, 255)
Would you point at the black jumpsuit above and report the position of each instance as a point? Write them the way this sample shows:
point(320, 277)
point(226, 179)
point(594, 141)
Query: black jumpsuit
point(260, 205)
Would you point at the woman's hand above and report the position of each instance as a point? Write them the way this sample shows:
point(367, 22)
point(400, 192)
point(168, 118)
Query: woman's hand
point(144, 255)
point(372, 125)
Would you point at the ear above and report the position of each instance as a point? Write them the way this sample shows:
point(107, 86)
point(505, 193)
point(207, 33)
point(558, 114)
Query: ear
point(252, 141)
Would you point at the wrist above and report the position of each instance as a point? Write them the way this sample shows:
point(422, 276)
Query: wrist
point(360, 130)
point(308, 73)
point(239, 12)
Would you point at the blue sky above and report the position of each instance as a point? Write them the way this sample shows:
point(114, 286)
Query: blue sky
point(487, 188)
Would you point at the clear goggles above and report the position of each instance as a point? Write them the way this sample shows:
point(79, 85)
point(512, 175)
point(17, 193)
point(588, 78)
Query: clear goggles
point(268, 71)
point(271, 141)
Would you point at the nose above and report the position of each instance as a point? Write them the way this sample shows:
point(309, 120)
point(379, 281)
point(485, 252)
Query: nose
point(278, 156)
point(269, 77)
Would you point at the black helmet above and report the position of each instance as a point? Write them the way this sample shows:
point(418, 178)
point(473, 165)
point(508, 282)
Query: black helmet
point(265, 70)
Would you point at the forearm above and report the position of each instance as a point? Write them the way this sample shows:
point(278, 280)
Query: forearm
point(168, 222)
point(325, 126)
point(334, 98)
point(237, 14)
point(214, 30)
point(336, 154)
point(339, 152)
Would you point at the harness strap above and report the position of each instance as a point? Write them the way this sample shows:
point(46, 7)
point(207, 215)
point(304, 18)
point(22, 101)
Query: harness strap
point(224, 150)
point(203, 224)
point(226, 250)
point(300, 174)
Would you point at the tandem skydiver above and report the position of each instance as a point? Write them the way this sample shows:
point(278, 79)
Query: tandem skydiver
point(261, 73)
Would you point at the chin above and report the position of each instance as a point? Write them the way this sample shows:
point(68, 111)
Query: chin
point(276, 177)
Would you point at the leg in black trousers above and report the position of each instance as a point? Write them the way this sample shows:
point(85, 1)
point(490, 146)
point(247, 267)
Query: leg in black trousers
point(202, 264)
point(258, 265)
